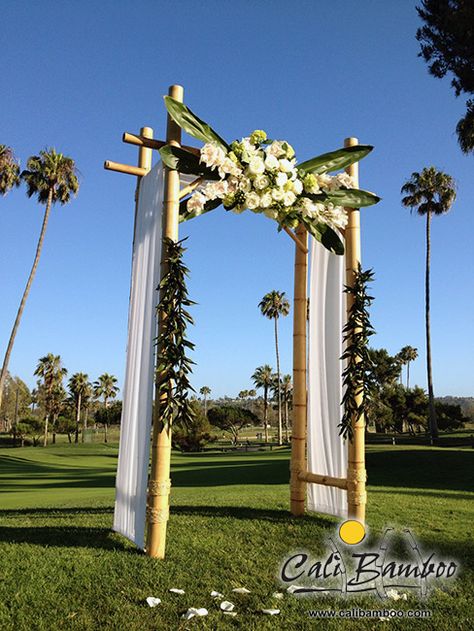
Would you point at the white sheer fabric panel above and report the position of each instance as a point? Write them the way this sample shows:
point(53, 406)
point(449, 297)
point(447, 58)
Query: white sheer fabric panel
point(134, 452)
point(327, 451)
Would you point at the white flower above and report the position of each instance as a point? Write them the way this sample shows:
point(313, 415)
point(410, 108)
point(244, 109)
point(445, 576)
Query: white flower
point(278, 194)
point(226, 605)
point(232, 184)
point(309, 208)
point(289, 198)
point(245, 185)
point(229, 167)
point(275, 149)
point(196, 203)
point(344, 179)
point(266, 200)
point(324, 181)
point(256, 166)
point(271, 162)
point(215, 189)
point(297, 187)
point(281, 179)
point(152, 601)
point(252, 201)
point(261, 182)
point(285, 165)
point(270, 213)
point(212, 155)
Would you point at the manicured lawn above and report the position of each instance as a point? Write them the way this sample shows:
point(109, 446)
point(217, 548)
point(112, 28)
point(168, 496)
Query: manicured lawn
point(62, 567)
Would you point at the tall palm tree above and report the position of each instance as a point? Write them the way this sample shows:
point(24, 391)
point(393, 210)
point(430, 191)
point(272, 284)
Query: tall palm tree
point(78, 384)
point(263, 377)
point(274, 305)
point(408, 354)
point(87, 396)
point(205, 391)
point(51, 371)
point(287, 394)
point(105, 387)
point(52, 177)
point(431, 193)
point(9, 170)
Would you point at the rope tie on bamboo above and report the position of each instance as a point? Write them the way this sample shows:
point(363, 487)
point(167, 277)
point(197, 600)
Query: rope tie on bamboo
point(156, 488)
point(157, 515)
point(356, 475)
point(357, 497)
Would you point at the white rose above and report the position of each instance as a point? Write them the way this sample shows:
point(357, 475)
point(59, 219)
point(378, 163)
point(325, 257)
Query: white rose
point(229, 167)
point(245, 185)
point(289, 198)
point(281, 179)
point(285, 165)
point(266, 200)
point(275, 149)
point(278, 194)
point(261, 182)
point(252, 201)
point(271, 162)
point(256, 166)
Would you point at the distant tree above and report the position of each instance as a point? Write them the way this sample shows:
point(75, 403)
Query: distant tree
point(52, 177)
point(274, 305)
point(52, 372)
point(108, 415)
point(431, 193)
point(449, 416)
point(205, 391)
point(287, 395)
point(231, 418)
point(78, 386)
point(385, 368)
point(16, 401)
point(196, 434)
point(66, 425)
point(406, 355)
point(263, 378)
point(29, 427)
point(447, 45)
point(9, 170)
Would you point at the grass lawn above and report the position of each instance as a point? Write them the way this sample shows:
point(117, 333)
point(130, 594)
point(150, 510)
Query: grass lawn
point(62, 567)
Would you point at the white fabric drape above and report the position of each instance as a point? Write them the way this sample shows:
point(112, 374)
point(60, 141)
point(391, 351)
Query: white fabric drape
point(134, 452)
point(327, 451)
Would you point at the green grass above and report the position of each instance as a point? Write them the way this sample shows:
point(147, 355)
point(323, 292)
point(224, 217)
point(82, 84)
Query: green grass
point(63, 568)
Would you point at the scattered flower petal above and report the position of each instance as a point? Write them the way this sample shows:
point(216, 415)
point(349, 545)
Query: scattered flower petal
point(227, 606)
point(393, 594)
point(175, 590)
point(152, 601)
point(215, 594)
point(278, 595)
point(241, 590)
point(271, 612)
point(229, 613)
point(192, 611)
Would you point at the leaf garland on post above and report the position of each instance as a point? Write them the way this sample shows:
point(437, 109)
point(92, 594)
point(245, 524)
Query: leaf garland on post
point(356, 375)
point(173, 365)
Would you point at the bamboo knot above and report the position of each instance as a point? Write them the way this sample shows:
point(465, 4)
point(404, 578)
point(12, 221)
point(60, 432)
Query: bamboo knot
point(157, 515)
point(159, 488)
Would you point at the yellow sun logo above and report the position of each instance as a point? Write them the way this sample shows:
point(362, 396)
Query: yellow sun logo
point(352, 532)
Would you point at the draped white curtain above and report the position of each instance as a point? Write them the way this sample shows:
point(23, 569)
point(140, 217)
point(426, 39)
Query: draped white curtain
point(327, 451)
point(134, 453)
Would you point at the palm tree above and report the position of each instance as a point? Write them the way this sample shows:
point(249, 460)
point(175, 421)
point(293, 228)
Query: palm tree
point(9, 170)
point(408, 354)
point(105, 387)
point(263, 377)
point(430, 192)
point(52, 177)
point(87, 395)
point(51, 371)
point(78, 384)
point(205, 391)
point(273, 305)
point(287, 392)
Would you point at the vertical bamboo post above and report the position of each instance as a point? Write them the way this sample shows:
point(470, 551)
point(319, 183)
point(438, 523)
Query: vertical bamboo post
point(145, 157)
point(298, 437)
point(356, 473)
point(159, 482)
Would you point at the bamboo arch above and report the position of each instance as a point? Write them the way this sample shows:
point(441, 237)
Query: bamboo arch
point(159, 483)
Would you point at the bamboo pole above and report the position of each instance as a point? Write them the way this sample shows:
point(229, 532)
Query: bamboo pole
point(325, 480)
point(356, 473)
point(298, 437)
point(191, 187)
point(159, 482)
point(124, 168)
point(291, 234)
point(143, 141)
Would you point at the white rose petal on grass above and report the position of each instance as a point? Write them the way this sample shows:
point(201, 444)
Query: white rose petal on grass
point(241, 590)
point(271, 612)
point(192, 611)
point(229, 613)
point(215, 594)
point(176, 590)
point(227, 606)
point(152, 601)
point(278, 595)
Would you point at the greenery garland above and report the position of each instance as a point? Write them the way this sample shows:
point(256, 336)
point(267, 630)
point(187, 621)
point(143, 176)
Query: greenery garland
point(357, 373)
point(173, 365)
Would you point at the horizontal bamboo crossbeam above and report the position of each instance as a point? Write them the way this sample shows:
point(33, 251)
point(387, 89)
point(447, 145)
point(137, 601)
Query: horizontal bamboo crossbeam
point(190, 188)
point(151, 143)
point(299, 243)
point(124, 168)
point(325, 480)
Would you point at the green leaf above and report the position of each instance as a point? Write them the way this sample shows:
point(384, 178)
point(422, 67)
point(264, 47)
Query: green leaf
point(184, 215)
point(347, 197)
point(186, 162)
point(335, 160)
point(326, 236)
point(190, 123)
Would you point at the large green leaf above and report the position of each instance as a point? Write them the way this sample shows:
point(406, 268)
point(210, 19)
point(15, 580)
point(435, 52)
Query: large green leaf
point(335, 160)
point(184, 215)
point(326, 236)
point(186, 162)
point(192, 124)
point(347, 197)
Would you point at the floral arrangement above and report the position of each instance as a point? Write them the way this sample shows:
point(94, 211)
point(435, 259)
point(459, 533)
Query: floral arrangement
point(262, 175)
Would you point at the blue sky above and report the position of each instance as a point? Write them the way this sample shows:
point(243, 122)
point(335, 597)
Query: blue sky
point(76, 75)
